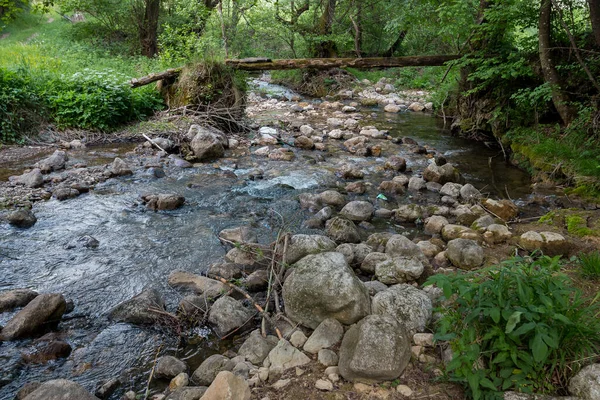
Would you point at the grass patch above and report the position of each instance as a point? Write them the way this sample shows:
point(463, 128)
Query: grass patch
point(590, 265)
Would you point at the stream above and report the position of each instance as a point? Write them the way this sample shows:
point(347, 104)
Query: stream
point(139, 248)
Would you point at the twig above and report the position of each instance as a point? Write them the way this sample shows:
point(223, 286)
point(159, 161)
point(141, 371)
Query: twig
point(153, 142)
point(152, 372)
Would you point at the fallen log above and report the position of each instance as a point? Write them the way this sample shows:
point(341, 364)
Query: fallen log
point(265, 64)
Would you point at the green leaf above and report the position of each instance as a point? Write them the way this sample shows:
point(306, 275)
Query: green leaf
point(539, 348)
point(562, 318)
point(524, 328)
point(495, 314)
point(514, 319)
point(486, 383)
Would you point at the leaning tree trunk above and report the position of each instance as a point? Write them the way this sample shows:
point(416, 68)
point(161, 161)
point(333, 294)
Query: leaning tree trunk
point(326, 48)
point(149, 28)
point(551, 76)
point(595, 19)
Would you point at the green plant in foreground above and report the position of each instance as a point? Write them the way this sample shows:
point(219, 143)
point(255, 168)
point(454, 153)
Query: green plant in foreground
point(590, 265)
point(519, 326)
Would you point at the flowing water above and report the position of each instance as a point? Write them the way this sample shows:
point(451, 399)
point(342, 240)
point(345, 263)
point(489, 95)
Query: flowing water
point(139, 248)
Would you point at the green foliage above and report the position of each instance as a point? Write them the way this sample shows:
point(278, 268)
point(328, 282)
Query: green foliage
point(517, 326)
point(21, 107)
point(9, 9)
point(577, 225)
point(590, 265)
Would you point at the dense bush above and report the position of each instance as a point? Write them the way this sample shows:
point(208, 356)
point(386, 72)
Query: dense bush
point(517, 326)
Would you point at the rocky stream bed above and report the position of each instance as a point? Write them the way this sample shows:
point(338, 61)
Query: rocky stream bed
point(130, 272)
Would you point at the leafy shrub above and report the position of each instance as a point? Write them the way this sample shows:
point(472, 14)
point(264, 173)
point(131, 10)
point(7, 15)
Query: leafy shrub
point(96, 100)
point(21, 109)
point(517, 326)
point(590, 265)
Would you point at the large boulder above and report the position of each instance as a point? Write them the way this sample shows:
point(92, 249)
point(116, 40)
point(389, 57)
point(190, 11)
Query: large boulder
point(208, 370)
point(55, 162)
point(44, 309)
point(303, 245)
point(211, 288)
point(227, 386)
point(323, 286)
point(228, 314)
point(21, 218)
point(137, 310)
point(410, 306)
point(586, 384)
point(207, 145)
point(31, 179)
point(12, 299)
point(465, 254)
point(342, 230)
point(119, 168)
point(256, 348)
point(375, 349)
point(60, 389)
point(358, 211)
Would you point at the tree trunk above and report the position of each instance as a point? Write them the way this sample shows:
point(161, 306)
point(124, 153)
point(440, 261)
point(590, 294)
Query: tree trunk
point(551, 76)
point(149, 28)
point(326, 48)
point(358, 32)
point(396, 45)
point(595, 19)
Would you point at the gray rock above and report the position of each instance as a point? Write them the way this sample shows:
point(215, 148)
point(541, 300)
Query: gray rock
point(187, 393)
point(55, 162)
point(416, 183)
point(375, 349)
point(137, 310)
point(348, 252)
point(451, 189)
point(470, 194)
point(323, 286)
point(441, 174)
point(327, 357)
point(285, 356)
point(328, 334)
point(332, 198)
point(481, 223)
point(358, 211)
point(300, 246)
point(464, 253)
point(65, 193)
point(106, 389)
point(586, 384)
point(342, 230)
point(60, 389)
point(324, 213)
point(401, 246)
point(169, 367)
point(409, 212)
point(11, 299)
point(227, 386)
point(257, 281)
point(496, 233)
point(43, 309)
point(395, 163)
point(256, 348)
point(504, 209)
point(399, 269)
point(225, 270)
point(180, 163)
point(375, 287)
point(21, 218)
point(83, 242)
point(410, 306)
point(210, 288)
point(207, 145)
point(378, 241)
point(227, 314)
point(240, 235)
point(32, 179)
point(119, 168)
point(208, 370)
point(164, 201)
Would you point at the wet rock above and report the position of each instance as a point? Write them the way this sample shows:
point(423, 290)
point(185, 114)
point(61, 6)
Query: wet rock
point(356, 187)
point(323, 286)
point(11, 299)
point(60, 389)
point(257, 281)
point(409, 212)
point(410, 306)
point(399, 270)
point(210, 288)
point(324, 214)
point(227, 314)
point(43, 310)
point(364, 359)
point(332, 198)
point(83, 242)
point(310, 201)
point(256, 348)
point(137, 310)
point(169, 367)
point(373, 132)
point(47, 351)
point(21, 218)
point(326, 335)
point(416, 183)
point(356, 144)
point(207, 145)
point(470, 194)
point(164, 143)
point(416, 107)
point(285, 356)
point(165, 202)
point(32, 179)
point(64, 193)
point(391, 187)
point(464, 254)
point(240, 235)
point(302, 142)
point(435, 224)
point(497, 233)
point(358, 211)
point(504, 209)
point(282, 154)
point(451, 189)
point(55, 162)
point(441, 174)
point(105, 390)
point(300, 246)
point(342, 230)
point(391, 108)
point(208, 370)
point(586, 384)
point(180, 163)
point(119, 168)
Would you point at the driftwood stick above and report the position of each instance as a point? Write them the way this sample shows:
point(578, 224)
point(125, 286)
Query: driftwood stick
point(153, 142)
